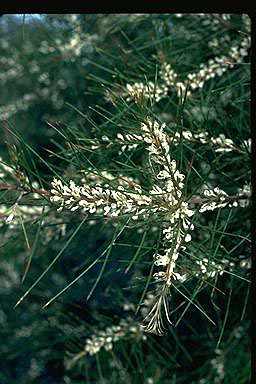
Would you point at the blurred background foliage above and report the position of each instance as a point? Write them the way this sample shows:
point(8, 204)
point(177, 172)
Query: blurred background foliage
point(70, 72)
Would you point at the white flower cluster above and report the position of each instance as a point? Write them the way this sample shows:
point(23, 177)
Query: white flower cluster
point(104, 177)
point(106, 338)
point(74, 44)
point(209, 268)
point(218, 65)
point(217, 42)
point(179, 15)
point(130, 141)
point(22, 104)
point(33, 67)
point(169, 81)
point(166, 197)
point(147, 303)
point(139, 90)
point(78, 42)
point(221, 143)
point(154, 136)
point(176, 212)
point(247, 22)
point(8, 61)
point(157, 91)
point(7, 111)
point(218, 364)
point(168, 75)
point(212, 22)
point(220, 199)
point(44, 78)
point(214, 67)
point(96, 198)
point(52, 226)
point(176, 237)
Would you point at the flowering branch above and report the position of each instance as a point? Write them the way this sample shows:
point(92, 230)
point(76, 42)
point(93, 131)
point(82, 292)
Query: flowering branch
point(165, 198)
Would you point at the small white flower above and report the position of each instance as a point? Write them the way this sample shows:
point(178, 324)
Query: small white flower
point(188, 238)
point(10, 218)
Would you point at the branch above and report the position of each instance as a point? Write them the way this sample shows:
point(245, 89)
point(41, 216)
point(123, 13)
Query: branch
point(10, 187)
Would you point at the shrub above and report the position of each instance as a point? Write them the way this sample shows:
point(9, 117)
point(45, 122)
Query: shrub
point(125, 192)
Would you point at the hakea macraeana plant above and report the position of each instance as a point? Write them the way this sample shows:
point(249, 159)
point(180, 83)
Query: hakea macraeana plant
point(166, 198)
point(111, 196)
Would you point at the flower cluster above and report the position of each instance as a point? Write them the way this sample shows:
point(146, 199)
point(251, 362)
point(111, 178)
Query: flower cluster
point(170, 179)
point(101, 199)
point(219, 143)
point(169, 189)
point(21, 104)
point(218, 65)
point(176, 237)
point(209, 268)
point(167, 74)
point(218, 364)
point(104, 339)
point(75, 43)
point(127, 328)
point(169, 79)
point(129, 141)
point(139, 90)
point(113, 196)
point(165, 197)
point(217, 198)
point(217, 42)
